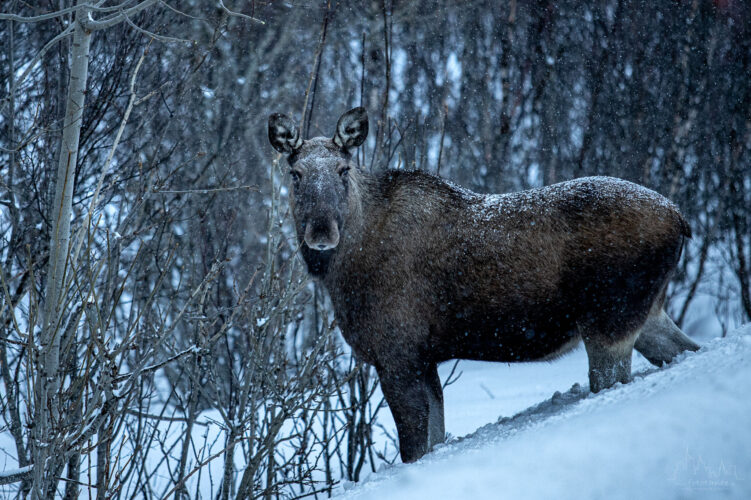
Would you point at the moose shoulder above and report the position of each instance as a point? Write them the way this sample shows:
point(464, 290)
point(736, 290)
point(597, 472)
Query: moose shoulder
point(421, 271)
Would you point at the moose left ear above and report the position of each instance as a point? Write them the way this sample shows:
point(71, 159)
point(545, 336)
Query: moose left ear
point(352, 128)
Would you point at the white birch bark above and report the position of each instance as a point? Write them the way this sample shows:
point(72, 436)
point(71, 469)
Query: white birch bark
point(47, 407)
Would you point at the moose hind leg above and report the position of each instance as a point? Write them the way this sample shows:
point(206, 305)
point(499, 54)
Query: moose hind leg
point(436, 428)
point(609, 361)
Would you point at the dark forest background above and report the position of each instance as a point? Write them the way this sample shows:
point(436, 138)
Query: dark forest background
point(184, 293)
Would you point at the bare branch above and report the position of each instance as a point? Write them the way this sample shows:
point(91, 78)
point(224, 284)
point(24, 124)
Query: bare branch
point(179, 12)
point(155, 367)
point(161, 38)
point(62, 12)
point(238, 14)
point(93, 25)
point(110, 155)
point(207, 190)
point(38, 56)
point(16, 475)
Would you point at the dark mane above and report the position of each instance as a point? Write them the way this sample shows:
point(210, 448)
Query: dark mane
point(391, 181)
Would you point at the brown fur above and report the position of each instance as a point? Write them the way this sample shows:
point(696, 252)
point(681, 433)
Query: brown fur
point(425, 272)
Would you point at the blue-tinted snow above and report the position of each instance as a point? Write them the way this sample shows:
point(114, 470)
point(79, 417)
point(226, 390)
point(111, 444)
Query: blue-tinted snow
point(677, 432)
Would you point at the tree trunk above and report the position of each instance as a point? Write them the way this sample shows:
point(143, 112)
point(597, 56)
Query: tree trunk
point(47, 409)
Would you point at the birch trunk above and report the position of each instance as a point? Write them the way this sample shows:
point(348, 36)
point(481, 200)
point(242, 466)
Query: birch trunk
point(47, 407)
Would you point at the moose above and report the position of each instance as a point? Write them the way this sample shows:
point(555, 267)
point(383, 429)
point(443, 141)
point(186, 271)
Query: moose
point(421, 271)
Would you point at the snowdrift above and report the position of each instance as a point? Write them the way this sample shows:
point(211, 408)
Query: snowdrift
point(682, 431)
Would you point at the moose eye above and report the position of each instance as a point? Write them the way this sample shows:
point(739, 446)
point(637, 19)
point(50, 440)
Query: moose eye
point(343, 171)
point(296, 176)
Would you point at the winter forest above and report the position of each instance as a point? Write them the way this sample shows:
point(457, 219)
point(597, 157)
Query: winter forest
point(159, 334)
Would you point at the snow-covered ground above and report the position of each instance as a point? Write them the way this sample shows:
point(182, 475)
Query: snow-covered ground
point(683, 431)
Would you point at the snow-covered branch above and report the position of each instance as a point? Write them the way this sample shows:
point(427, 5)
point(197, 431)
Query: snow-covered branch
point(15, 475)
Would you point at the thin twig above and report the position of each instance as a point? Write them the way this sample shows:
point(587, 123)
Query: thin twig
point(306, 114)
point(110, 155)
point(238, 14)
point(38, 56)
point(247, 187)
point(451, 374)
point(155, 367)
point(161, 38)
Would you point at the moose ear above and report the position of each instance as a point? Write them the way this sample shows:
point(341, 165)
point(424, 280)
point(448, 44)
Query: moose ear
point(352, 128)
point(283, 134)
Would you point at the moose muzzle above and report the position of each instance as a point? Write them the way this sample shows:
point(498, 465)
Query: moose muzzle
point(322, 234)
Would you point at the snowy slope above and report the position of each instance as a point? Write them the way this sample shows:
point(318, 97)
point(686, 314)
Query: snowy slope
point(683, 431)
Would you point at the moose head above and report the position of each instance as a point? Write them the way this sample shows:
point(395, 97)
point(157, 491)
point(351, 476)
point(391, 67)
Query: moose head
point(320, 173)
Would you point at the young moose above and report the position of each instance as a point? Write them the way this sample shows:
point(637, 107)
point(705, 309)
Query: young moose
point(421, 271)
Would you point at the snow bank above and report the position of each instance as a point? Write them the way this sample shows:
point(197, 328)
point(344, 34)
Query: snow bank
point(682, 431)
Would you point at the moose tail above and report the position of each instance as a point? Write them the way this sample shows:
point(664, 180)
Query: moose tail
point(660, 340)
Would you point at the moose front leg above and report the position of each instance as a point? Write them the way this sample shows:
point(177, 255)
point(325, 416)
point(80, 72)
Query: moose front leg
point(415, 398)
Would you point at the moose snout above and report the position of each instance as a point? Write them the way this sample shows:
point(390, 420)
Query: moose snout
point(322, 234)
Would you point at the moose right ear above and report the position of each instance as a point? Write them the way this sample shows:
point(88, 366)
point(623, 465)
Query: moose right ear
point(283, 134)
point(352, 128)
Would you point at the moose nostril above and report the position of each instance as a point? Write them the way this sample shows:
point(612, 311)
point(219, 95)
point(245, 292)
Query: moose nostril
point(321, 234)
